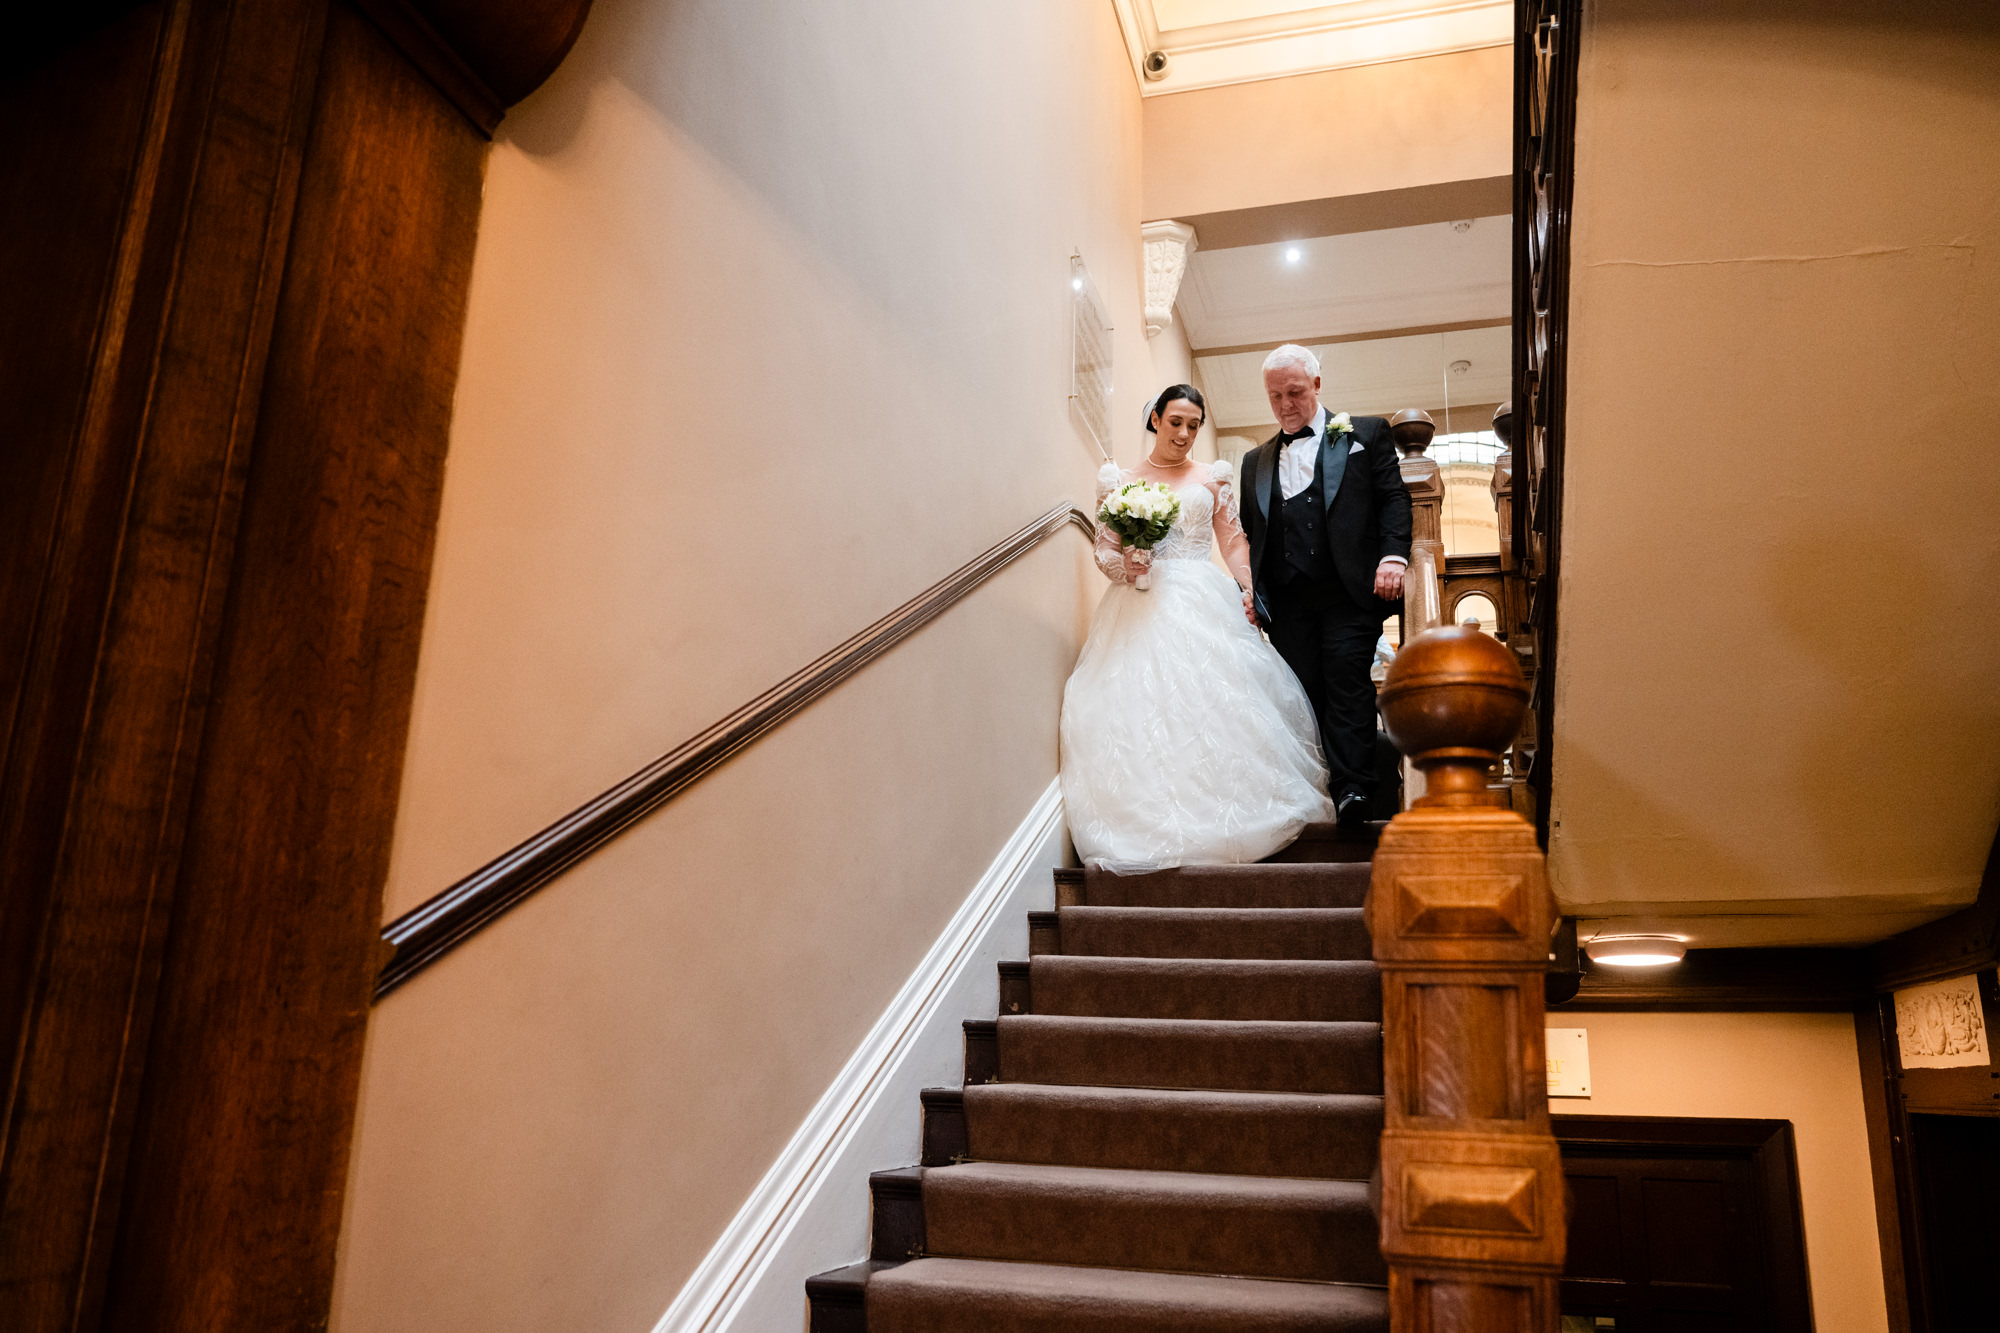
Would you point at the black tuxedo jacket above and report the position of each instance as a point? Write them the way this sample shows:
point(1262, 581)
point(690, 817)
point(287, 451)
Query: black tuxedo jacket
point(1367, 508)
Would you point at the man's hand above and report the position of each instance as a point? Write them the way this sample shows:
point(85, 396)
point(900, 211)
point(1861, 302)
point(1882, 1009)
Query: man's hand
point(1250, 608)
point(1389, 580)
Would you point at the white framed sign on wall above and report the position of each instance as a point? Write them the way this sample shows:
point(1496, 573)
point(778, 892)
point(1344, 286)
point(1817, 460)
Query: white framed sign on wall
point(1568, 1052)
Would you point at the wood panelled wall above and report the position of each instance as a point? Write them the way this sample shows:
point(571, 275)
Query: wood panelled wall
point(236, 238)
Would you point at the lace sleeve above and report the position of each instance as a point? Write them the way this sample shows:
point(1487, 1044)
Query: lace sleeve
point(1110, 560)
point(1229, 538)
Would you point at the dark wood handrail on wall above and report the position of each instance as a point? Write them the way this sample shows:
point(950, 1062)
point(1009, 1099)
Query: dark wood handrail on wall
point(421, 936)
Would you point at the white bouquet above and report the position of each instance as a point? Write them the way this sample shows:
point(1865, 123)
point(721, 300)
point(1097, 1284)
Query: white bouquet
point(1140, 512)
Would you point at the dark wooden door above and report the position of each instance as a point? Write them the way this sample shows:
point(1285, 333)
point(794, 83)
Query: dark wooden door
point(1682, 1226)
point(1957, 1160)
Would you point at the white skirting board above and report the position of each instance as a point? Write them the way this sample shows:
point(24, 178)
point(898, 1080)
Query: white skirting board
point(810, 1211)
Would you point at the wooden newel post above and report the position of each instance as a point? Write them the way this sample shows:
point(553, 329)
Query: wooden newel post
point(1412, 429)
point(1472, 1210)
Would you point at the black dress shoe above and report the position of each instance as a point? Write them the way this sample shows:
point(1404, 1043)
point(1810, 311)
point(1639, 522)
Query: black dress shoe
point(1351, 809)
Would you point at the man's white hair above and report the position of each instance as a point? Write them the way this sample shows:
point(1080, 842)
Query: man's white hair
point(1291, 354)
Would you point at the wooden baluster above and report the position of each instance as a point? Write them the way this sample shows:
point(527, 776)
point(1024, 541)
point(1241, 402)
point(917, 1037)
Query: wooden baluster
point(1516, 625)
point(1515, 619)
point(1472, 1207)
point(1502, 486)
point(1412, 429)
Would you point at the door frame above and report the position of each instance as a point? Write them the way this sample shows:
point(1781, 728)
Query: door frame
point(1768, 1146)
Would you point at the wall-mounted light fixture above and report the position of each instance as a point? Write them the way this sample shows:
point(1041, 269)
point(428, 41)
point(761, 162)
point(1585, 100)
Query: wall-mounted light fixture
point(1293, 254)
point(1636, 950)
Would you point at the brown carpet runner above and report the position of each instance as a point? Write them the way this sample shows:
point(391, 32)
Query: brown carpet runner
point(1170, 1126)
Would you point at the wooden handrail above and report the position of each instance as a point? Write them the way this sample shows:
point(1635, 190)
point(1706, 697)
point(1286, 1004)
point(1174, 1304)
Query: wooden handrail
point(426, 933)
point(1472, 1201)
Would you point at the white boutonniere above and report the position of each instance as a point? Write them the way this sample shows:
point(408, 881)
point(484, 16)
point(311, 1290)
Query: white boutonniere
point(1340, 425)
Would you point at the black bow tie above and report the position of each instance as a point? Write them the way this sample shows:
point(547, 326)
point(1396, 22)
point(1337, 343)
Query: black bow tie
point(1285, 437)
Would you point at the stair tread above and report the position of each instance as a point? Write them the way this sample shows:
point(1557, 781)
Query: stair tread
point(1168, 1221)
point(1233, 868)
point(1197, 1027)
point(1261, 933)
point(1231, 966)
point(1227, 1098)
point(1171, 1186)
point(1304, 989)
point(1298, 885)
point(1331, 843)
point(1169, 913)
point(1331, 1136)
point(1031, 1298)
point(1276, 1055)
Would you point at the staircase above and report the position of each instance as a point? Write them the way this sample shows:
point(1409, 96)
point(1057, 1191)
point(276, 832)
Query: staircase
point(1171, 1125)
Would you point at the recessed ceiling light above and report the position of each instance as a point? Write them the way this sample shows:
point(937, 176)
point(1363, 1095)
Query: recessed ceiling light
point(1292, 255)
point(1076, 284)
point(1636, 950)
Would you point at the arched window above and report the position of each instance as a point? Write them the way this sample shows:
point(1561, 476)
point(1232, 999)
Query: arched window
point(1476, 608)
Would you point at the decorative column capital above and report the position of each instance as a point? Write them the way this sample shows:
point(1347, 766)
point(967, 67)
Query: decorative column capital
point(1168, 245)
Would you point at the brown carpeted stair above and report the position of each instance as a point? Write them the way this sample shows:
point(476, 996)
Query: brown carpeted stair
point(1171, 1124)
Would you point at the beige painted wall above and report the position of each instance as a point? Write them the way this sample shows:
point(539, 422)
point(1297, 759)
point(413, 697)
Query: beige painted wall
point(768, 331)
point(1318, 136)
point(1173, 363)
point(1776, 689)
point(1797, 1067)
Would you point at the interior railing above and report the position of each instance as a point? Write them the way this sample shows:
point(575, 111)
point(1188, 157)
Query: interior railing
point(1547, 44)
point(426, 933)
point(1438, 584)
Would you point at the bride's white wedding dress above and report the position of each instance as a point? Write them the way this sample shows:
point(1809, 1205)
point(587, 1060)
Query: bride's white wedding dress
point(1186, 740)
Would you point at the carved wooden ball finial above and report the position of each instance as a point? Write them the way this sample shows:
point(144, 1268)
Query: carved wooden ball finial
point(1412, 429)
point(1503, 423)
point(1453, 699)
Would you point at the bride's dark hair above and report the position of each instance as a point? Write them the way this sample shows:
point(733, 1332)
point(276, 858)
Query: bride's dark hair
point(1168, 395)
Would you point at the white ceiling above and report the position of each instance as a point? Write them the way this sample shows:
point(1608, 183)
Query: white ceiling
point(1359, 282)
point(1376, 376)
point(1214, 42)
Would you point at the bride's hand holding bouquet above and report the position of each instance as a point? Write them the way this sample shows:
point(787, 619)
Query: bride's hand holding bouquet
point(1141, 513)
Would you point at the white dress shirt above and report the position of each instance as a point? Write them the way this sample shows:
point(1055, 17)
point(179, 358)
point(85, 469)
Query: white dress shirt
point(1299, 459)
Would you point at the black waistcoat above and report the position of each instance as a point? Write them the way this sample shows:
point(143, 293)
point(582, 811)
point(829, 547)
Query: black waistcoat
point(1303, 548)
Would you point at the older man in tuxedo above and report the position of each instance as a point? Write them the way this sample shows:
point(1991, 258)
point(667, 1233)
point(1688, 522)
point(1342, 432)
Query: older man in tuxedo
point(1328, 519)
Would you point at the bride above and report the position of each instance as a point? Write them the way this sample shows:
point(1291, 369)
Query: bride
point(1186, 740)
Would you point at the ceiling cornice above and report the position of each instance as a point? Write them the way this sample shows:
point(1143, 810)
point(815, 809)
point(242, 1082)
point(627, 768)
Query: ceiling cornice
point(1306, 40)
